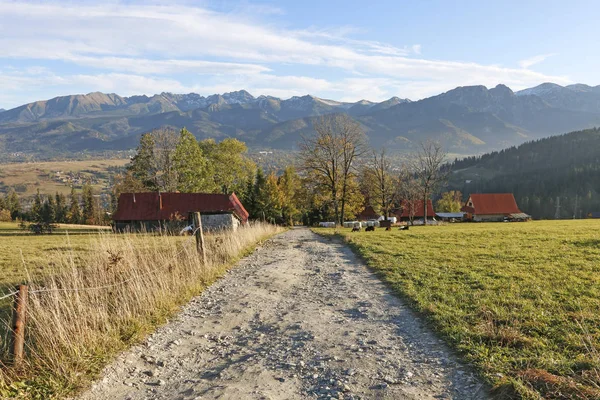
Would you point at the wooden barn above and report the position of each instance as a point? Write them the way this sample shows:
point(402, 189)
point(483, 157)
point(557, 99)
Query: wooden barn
point(493, 207)
point(170, 211)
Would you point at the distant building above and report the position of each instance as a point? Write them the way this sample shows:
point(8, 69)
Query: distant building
point(493, 207)
point(367, 214)
point(170, 211)
point(449, 216)
point(404, 213)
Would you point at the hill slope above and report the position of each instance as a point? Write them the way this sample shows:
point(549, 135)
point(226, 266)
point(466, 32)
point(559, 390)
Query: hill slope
point(466, 120)
point(558, 172)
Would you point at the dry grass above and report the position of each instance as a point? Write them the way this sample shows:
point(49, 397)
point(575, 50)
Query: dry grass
point(73, 333)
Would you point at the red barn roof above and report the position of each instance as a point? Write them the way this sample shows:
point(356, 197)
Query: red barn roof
point(418, 209)
point(165, 206)
point(492, 203)
point(367, 213)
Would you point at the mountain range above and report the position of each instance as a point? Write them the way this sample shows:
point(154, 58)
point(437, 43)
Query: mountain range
point(467, 120)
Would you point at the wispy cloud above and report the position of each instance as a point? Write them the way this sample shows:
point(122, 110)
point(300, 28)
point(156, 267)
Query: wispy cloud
point(529, 62)
point(195, 48)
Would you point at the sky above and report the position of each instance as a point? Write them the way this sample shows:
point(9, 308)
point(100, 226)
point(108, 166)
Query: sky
point(343, 50)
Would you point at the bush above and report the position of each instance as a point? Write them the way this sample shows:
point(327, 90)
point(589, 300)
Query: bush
point(5, 216)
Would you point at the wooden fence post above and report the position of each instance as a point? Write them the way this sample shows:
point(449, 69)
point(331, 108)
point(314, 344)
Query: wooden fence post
point(18, 325)
point(199, 236)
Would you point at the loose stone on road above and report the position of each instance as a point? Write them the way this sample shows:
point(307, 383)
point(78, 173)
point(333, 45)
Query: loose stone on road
point(301, 318)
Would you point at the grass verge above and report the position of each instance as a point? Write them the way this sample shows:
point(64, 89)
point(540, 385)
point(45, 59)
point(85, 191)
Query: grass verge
point(72, 334)
point(519, 301)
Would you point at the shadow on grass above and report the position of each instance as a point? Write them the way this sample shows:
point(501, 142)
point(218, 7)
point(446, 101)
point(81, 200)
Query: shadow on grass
point(587, 243)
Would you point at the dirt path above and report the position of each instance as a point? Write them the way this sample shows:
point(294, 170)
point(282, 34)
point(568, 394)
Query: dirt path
point(301, 318)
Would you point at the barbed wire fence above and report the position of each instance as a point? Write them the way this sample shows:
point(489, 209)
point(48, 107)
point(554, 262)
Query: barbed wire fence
point(20, 296)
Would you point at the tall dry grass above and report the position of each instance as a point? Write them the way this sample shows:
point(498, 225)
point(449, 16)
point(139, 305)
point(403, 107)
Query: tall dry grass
point(80, 317)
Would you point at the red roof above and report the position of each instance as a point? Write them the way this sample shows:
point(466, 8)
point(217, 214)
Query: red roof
point(418, 209)
point(492, 203)
point(165, 206)
point(367, 213)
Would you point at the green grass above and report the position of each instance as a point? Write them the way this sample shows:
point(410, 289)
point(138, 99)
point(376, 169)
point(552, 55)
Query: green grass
point(521, 301)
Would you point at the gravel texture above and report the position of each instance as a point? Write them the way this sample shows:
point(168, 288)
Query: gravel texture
point(300, 318)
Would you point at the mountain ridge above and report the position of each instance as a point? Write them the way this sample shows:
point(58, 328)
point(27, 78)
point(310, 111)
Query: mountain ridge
point(467, 120)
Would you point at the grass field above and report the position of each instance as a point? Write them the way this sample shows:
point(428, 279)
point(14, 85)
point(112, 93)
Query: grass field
point(56, 176)
point(521, 301)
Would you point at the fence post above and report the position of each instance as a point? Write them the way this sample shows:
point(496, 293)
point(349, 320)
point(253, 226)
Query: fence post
point(18, 325)
point(199, 236)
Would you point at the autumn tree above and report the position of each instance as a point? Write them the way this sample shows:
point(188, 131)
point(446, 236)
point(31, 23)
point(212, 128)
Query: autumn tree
point(381, 182)
point(427, 167)
point(450, 201)
point(89, 206)
point(330, 156)
point(288, 189)
point(13, 204)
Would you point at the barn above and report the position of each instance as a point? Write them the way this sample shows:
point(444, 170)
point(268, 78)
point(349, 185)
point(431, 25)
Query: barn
point(170, 211)
point(404, 213)
point(492, 207)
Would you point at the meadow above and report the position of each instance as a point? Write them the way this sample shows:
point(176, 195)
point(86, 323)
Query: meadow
point(94, 294)
point(57, 176)
point(519, 301)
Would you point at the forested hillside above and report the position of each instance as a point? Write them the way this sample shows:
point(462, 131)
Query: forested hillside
point(558, 173)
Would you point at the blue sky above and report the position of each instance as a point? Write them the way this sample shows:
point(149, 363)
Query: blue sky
point(344, 50)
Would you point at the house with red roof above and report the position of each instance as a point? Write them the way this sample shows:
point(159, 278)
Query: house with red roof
point(171, 211)
point(492, 207)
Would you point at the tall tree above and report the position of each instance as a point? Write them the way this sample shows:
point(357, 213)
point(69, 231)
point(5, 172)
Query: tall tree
point(36, 209)
point(13, 204)
point(142, 166)
point(89, 206)
point(428, 170)
point(74, 213)
point(165, 143)
point(191, 165)
point(288, 188)
point(330, 156)
point(381, 182)
point(48, 212)
point(228, 165)
point(61, 207)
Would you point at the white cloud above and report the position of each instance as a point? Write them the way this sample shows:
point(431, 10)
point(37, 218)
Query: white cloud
point(535, 60)
point(156, 43)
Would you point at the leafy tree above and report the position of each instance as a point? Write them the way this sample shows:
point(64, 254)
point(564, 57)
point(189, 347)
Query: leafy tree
point(260, 201)
point(191, 165)
point(13, 204)
point(227, 165)
point(288, 189)
point(450, 201)
point(380, 182)
point(272, 199)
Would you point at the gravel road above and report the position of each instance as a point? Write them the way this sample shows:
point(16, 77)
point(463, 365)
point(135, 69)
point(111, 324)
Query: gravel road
point(301, 318)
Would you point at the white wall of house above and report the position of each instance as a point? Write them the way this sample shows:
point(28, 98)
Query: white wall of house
point(216, 222)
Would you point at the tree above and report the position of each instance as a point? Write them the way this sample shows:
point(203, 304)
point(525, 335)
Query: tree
point(191, 165)
point(142, 167)
point(89, 206)
point(13, 204)
point(48, 211)
point(450, 201)
point(61, 208)
point(165, 143)
point(259, 195)
point(288, 189)
point(228, 167)
point(330, 157)
point(36, 209)
point(428, 171)
point(273, 199)
point(381, 183)
point(74, 213)
point(409, 192)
